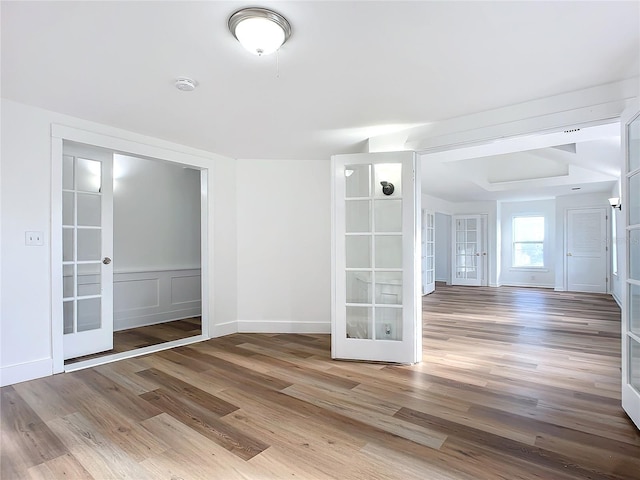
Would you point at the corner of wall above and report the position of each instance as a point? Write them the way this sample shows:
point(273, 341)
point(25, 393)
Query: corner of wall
point(23, 372)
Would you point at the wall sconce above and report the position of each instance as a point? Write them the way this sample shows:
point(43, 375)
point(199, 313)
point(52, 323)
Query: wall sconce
point(615, 203)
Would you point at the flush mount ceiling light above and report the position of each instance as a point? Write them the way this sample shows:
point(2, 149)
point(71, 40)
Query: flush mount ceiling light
point(259, 30)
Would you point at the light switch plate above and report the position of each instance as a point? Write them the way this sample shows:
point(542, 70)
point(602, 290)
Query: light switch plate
point(34, 239)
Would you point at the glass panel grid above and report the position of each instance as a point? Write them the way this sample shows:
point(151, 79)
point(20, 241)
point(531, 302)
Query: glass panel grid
point(358, 321)
point(634, 308)
point(634, 363)
point(633, 140)
point(388, 323)
point(634, 254)
point(373, 262)
point(633, 201)
point(357, 216)
point(82, 250)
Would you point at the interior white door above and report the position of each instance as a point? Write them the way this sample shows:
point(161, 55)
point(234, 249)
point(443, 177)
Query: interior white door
point(87, 244)
point(428, 252)
point(376, 284)
point(586, 252)
point(467, 259)
point(630, 121)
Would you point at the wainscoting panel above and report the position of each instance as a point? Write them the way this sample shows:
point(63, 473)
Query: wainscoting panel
point(185, 289)
point(150, 297)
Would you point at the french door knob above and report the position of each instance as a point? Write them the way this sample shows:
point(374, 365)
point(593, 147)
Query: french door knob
point(569, 255)
point(106, 260)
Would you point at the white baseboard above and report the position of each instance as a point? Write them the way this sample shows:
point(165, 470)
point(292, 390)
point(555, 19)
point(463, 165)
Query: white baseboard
point(534, 285)
point(23, 372)
point(618, 301)
point(223, 329)
point(282, 326)
point(156, 318)
point(495, 285)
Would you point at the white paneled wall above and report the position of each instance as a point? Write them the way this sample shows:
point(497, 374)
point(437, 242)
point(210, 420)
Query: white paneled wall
point(147, 298)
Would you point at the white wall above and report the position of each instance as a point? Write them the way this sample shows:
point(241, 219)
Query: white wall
point(443, 247)
point(564, 203)
point(25, 312)
point(528, 277)
point(284, 245)
point(616, 278)
point(156, 215)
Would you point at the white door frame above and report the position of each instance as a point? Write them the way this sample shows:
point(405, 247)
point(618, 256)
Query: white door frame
point(59, 133)
point(630, 395)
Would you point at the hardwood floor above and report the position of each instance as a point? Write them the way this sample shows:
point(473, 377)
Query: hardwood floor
point(127, 340)
point(515, 384)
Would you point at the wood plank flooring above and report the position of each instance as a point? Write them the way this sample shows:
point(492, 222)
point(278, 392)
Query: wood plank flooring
point(515, 384)
point(133, 338)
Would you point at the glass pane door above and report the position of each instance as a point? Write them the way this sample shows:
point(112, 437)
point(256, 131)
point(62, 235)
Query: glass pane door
point(375, 221)
point(86, 205)
point(631, 302)
point(467, 250)
point(428, 252)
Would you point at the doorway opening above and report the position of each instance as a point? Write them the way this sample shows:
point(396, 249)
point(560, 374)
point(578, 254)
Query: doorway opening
point(129, 263)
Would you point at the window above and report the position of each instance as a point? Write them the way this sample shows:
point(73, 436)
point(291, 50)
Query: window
point(528, 241)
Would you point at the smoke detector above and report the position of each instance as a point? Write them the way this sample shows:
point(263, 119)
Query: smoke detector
point(186, 84)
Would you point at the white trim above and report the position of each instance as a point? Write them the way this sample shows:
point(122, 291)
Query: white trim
point(617, 299)
point(528, 269)
point(55, 268)
point(94, 362)
point(156, 319)
point(630, 395)
point(282, 326)
point(123, 271)
point(532, 285)
point(23, 372)
point(222, 329)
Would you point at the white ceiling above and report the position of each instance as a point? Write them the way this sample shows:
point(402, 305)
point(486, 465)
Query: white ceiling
point(350, 70)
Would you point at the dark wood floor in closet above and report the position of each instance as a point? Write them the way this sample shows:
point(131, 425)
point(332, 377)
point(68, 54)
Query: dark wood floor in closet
point(127, 340)
point(515, 384)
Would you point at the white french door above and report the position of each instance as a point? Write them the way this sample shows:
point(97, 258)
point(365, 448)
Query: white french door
point(630, 122)
point(586, 250)
point(467, 257)
point(87, 245)
point(428, 252)
point(376, 307)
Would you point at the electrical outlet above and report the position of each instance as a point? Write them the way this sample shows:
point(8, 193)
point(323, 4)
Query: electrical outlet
point(34, 239)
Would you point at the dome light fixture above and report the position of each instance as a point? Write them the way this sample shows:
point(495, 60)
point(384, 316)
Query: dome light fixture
point(259, 30)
